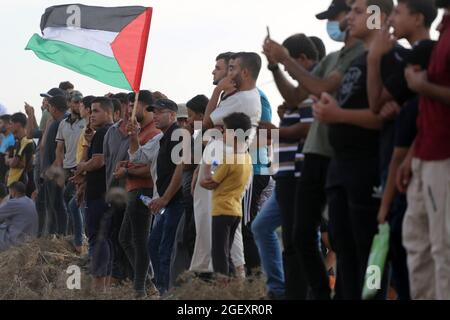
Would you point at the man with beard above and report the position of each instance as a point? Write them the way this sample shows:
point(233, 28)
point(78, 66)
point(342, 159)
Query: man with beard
point(135, 227)
point(426, 228)
point(69, 132)
point(98, 218)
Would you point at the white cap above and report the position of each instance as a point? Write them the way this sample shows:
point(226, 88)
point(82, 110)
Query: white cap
point(182, 111)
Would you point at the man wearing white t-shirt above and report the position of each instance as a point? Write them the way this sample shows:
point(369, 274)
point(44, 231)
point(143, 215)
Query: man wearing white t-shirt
point(239, 94)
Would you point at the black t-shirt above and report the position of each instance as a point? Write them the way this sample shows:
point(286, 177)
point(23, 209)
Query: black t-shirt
point(96, 180)
point(393, 68)
point(50, 145)
point(406, 124)
point(349, 141)
point(165, 167)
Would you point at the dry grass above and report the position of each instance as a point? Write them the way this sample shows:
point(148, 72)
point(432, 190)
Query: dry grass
point(37, 271)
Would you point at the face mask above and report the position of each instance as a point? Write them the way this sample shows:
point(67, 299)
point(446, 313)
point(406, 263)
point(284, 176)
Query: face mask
point(335, 32)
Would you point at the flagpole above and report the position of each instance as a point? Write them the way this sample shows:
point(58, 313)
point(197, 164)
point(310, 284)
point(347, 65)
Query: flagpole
point(136, 99)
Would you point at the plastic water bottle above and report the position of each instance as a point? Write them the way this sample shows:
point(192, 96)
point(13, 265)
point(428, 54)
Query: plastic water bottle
point(147, 201)
point(214, 166)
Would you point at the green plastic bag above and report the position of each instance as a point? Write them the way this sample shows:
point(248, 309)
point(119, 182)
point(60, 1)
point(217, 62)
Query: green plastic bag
point(377, 261)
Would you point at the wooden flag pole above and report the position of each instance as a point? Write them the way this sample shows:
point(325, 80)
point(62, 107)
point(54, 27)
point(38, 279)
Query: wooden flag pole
point(136, 99)
point(133, 113)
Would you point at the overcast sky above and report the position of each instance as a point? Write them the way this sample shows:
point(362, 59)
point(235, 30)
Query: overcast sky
point(185, 38)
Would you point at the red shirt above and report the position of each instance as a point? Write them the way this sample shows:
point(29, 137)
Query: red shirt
point(146, 134)
point(433, 138)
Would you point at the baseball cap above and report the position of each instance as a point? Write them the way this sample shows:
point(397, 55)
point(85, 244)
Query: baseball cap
point(76, 96)
point(336, 7)
point(164, 104)
point(182, 111)
point(55, 92)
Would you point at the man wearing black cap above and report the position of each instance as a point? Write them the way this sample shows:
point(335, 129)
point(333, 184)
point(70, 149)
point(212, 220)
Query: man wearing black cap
point(168, 185)
point(311, 197)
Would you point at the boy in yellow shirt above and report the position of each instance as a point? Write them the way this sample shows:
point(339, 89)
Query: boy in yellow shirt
point(228, 183)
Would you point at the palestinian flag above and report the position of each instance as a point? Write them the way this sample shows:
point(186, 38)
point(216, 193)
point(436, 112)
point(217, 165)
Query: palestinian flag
point(106, 44)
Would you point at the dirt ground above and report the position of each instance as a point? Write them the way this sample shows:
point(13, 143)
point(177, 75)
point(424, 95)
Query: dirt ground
point(38, 271)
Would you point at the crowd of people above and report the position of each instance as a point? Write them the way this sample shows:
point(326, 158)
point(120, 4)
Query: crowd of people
point(363, 140)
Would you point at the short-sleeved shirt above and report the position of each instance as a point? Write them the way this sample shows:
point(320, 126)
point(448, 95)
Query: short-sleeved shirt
point(317, 141)
point(433, 137)
point(7, 143)
point(69, 132)
point(290, 151)
point(115, 149)
point(24, 151)
point(247, 102)
point(406, 124)
point(350, 141)
point(233, 179)
point(49, 155)
point(165, 167)
point(96, 180)
point(260, 156)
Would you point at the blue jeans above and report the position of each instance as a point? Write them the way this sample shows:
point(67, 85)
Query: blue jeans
point(77, 218)
point(161, 241)
point(264, 231)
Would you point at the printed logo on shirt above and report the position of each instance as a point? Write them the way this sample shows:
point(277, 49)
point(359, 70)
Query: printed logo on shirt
point(349, 84)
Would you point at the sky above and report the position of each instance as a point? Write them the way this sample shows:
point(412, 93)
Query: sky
point(185, 37)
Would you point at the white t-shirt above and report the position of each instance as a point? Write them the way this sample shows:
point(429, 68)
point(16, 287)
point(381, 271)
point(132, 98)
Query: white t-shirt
point(248, 102)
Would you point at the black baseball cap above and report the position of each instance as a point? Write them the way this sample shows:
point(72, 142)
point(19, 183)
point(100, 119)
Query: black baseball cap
point(55, 92)
point(336, 7)
point(164, 104)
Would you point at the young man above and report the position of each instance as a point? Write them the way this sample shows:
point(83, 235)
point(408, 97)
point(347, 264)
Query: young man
point(411, 20)
point(243, 72)
point(295, 124)
point(168, 184)
point(98, 221)
point(426, 229)
point(18, 218)
point(229, 183)
point(311, 196)
point(353, 172)
point(115, 150)
point(69, 132)
point(21, 156)
point(185, 239)
point(135, 227)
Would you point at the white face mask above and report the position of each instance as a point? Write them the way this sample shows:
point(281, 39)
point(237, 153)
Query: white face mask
point(335, 32)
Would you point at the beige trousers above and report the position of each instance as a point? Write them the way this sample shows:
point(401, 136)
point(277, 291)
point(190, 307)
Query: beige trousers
point(426, 230)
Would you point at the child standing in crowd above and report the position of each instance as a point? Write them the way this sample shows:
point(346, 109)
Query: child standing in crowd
point(228, 182)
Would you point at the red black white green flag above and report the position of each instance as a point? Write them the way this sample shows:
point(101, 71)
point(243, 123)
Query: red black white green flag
point(106, 44)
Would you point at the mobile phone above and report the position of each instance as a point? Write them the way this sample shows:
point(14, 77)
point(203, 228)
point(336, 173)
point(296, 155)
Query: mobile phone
point(268, 32)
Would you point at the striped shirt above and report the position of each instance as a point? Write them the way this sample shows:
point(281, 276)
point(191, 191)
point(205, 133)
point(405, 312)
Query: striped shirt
point(289, 151)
